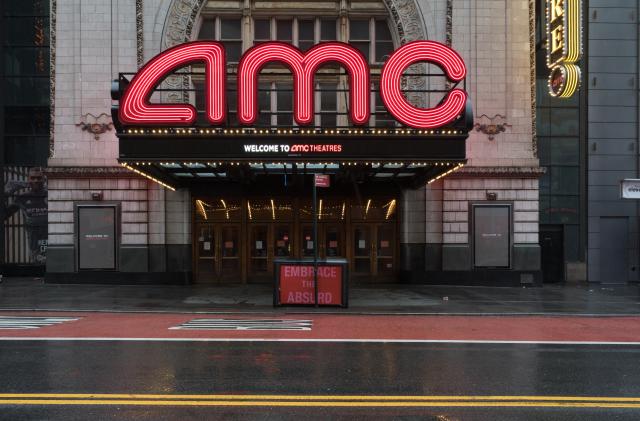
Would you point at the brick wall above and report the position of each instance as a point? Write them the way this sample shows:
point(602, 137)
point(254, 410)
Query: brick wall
point(130, 193)
point(459, 193)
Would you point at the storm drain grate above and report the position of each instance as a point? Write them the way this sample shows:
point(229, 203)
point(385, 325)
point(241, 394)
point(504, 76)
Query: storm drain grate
point(244, 324)
point(20, 322)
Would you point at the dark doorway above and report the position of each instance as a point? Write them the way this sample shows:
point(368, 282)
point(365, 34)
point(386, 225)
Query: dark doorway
point(614, 246)
point(552, 253)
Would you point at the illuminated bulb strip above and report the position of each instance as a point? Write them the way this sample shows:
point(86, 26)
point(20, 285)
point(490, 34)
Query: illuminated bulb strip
point(572, 32)
point(574, 22)
point(135, 107)
point(390, 209)
point(130, 168)
point(201, 208)
point(285, 132)
point(224, 204)
point(457, 167)
point(570, 82)
point(303, 67)
point(391, 91)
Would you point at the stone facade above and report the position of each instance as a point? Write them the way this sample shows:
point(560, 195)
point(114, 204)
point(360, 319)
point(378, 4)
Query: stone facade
point(95, 40)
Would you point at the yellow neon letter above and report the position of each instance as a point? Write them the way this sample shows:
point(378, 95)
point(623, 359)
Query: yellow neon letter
point(557, 38)
point(557, 9)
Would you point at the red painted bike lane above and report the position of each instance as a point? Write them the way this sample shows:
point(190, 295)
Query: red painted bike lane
point(338, 327)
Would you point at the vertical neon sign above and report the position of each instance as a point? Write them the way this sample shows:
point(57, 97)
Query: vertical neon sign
point(564, 46)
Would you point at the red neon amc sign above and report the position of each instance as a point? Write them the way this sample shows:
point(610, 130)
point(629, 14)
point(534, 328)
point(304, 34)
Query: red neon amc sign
point(135, 108)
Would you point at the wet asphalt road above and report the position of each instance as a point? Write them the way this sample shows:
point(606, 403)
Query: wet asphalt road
point(316, 369)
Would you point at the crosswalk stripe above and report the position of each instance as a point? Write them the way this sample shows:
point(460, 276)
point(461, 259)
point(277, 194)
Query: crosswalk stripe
point(30, 322)
point(244, 324)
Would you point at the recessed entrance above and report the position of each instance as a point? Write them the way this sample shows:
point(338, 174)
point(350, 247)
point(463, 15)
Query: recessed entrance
point(237, 240)
point(218, 252)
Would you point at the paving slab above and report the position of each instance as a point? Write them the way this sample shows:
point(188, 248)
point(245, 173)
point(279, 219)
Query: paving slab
point(587, 299)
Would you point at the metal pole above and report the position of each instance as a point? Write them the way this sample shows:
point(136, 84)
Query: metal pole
point(315, 243)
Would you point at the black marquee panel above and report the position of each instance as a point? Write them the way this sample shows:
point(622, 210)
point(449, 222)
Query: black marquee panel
point(292, 148)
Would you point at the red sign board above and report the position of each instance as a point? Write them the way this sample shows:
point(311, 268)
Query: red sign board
point(136, 108)
point(322, 180)
point(297, 287)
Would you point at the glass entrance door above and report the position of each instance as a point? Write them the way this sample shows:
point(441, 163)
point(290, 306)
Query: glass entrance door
point(218, 253)
point(362, 251)
point(331, 238)
point(267, 242)
point(205, 253)
point(384, 253)
point(229, 246)
point(374, 251)
point(307, 242)
point(282, 241)
point(258, 251)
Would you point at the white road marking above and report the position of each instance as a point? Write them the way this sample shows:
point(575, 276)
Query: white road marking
point(28, 322)
point(244, 324)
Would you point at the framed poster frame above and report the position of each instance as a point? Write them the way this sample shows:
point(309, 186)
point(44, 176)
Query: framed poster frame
point(78, 207)
point(474, 226)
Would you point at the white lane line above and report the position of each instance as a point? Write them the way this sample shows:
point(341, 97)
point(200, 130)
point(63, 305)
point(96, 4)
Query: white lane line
point(346, 340)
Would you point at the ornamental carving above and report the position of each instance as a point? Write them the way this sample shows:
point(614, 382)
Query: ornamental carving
point(500, 172)
point(178, 26)
point(182, 16)
point(491, 126)
point(139, 33)
point(408, 25)
point(52, 74)
point(96, 125)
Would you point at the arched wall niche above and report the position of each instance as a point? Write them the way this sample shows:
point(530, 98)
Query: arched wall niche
point(408, 24)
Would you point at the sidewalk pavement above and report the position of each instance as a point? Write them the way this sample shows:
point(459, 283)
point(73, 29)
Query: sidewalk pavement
point(592, 299)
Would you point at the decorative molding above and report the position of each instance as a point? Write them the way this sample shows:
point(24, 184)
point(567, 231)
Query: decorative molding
point(52, 73)
point(96, 125)
point(449, 32)
point(407, 22)
point(532, 75)
point(491, 126)
point(178, 26)
point(449, 24)
point(501, 172)
point(139, 33)
point(182, 16)
point(89, 172)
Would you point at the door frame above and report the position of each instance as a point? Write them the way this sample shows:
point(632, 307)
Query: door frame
point(374, 274)
point(472, 232)
point(117, 231)
point(217, 259)
point(270, 257)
